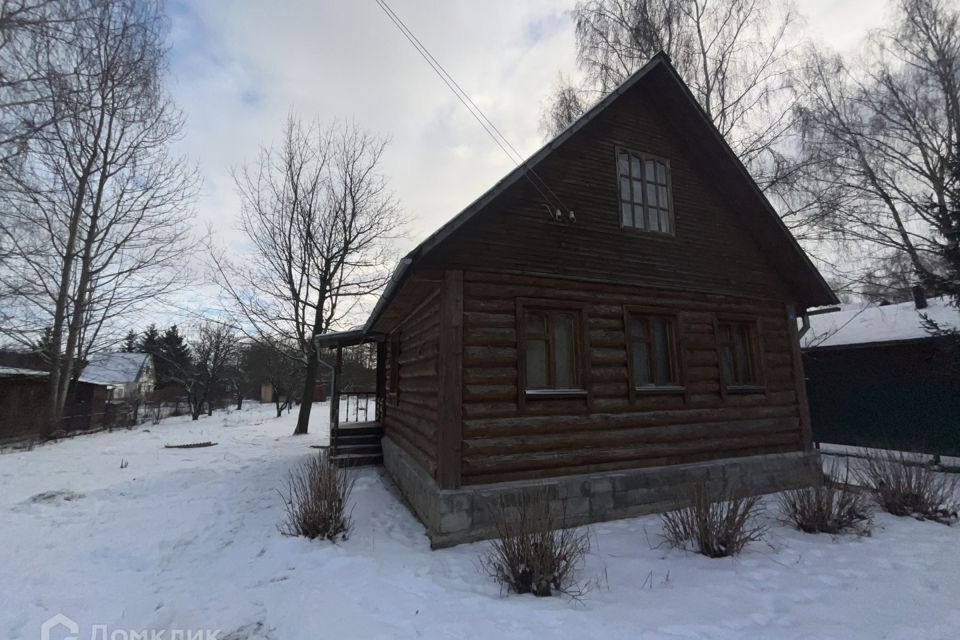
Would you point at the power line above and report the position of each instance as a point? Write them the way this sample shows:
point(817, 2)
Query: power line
point(472, 107)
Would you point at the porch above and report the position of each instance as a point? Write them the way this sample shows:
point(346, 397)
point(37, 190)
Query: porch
point(357, 391)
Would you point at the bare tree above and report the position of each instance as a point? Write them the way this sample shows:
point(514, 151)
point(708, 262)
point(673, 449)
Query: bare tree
point(883, 132)
point(214, 350)
point(564, 105)
point(320, 219)
point(100, 189)
point(280, 365)
point(31, 32)
point(737, 57)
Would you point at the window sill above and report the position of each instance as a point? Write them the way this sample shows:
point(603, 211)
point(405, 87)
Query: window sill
point(653, 390)
point(662, 235)
point(555, 393)
point(746, 388)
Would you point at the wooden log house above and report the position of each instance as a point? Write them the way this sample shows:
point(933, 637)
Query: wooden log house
point(613, 320)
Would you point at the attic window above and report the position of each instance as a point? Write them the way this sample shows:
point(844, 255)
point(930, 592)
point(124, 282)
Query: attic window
point(646, 202)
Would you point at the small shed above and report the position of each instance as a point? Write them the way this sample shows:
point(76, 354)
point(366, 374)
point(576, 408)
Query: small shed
point(23, 402)
point(877, 378)
point(22, 392)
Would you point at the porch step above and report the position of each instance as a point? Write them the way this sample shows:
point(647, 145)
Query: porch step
point(359, 449)
point(345, 441)
point(358, 444)
point(356, 460)
point(367, 429)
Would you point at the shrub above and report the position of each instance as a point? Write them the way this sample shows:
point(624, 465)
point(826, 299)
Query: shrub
point(905, 488)
point(833, 507)
point(716, 524)
point(532, 552)
point(316, 500)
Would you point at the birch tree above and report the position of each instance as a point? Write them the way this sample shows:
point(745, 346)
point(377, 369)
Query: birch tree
point(738, 57)
point(100, 192)
point(883, 131)
point(320, 220)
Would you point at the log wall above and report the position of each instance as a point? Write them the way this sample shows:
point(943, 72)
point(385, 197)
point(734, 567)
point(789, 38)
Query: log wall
point(509, 437)
point(410, 414)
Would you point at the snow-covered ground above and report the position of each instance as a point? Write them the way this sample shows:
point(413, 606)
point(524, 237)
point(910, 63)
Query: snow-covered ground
point(186, 539)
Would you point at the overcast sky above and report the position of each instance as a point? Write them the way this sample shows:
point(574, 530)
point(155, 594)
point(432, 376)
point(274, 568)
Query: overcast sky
point(238, 67)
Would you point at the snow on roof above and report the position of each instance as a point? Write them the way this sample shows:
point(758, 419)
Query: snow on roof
point(113, 368)
point(865, 324)
point(10, 372)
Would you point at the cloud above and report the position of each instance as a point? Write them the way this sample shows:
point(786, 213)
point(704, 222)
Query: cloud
point(238, 69)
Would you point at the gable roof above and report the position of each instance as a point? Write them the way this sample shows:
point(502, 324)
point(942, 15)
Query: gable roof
point(788, 257)
point(114, 368)
point(868, 325)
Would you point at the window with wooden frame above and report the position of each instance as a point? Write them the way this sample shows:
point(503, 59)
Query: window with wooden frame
point(646, 200)
point(551, 350)
point(654, 355)
point(395, 366)
point(739, 351)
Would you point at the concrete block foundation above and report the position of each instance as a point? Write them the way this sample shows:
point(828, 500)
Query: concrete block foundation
point(455, 516)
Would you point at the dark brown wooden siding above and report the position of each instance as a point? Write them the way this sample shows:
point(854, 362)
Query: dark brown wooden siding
point(411, 411)
point(714, 249)
point(506, 438)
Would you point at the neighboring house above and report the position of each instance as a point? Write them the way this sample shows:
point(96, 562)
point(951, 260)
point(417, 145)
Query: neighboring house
point(612, 321)
point(23, 399)
point(128, 375)
point(877, 378)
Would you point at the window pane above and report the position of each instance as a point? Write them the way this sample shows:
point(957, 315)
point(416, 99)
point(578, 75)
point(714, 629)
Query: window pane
point(536, 323)
point(623, 164)
point(652, 215)
point(536, 351)
point(662, 196)
point(635, 169)
point(651, 172)
point(624, 188)
point(637, 191)
point(742, 355)
point(626, 214)
point(652, 194)
point(641, 364)
point(564, 351)
point(661, 173)
point(638, 328)
point(665, 221)
point(661, 352)
point(726, 364)
point(638, 216)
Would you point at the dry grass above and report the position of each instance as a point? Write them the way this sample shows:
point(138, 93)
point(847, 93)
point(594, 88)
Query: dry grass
point(904, 488)
point(532, 552)
point(715, 523)
point(833, 507)
point(316, 500)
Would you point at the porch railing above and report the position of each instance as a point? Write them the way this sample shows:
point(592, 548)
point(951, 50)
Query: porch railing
point(358, 406)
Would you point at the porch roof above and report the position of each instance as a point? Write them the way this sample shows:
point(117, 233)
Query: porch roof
point(346, 338)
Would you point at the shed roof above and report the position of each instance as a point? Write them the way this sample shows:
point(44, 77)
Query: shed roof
point(864, 325)
point(20, 372)
point(114, 368)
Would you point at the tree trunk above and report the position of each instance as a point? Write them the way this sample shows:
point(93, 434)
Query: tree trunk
point(306, 401)
point(276, 401)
